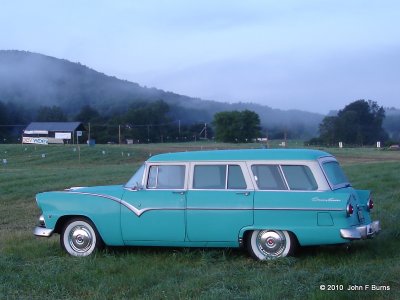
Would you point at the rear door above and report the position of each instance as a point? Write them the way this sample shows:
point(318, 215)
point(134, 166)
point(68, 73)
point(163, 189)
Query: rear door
point(219, 202)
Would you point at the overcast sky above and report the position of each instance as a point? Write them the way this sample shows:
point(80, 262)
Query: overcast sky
point(314, 55)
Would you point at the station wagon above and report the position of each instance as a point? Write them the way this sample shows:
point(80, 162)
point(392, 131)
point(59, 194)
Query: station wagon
point(267, 200)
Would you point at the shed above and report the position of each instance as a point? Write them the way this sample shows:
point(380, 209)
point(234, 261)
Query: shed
point(52, 132)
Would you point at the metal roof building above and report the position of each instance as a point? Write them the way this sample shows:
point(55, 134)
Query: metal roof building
point(52, 132)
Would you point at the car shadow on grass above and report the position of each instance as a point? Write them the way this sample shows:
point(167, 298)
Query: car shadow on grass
point(192, 252)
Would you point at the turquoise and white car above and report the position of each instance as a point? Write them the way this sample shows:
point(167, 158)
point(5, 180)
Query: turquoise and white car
point(266, 200)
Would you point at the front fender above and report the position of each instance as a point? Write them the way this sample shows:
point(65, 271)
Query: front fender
point(104, 211)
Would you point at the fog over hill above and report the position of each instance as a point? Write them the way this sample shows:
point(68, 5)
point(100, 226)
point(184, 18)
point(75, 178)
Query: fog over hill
point(34, 80)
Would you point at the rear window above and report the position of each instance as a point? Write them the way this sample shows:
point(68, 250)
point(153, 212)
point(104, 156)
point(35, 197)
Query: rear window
point(268, 177)
point(300, 178)
point(209, 177)
point(335, 173)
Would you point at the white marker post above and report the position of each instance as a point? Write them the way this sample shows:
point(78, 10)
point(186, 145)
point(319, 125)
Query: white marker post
point(78, 134)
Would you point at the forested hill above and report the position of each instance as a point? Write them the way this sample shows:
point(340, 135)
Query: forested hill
point(35, 80)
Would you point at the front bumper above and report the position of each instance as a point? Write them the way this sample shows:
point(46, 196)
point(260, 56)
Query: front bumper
point(361, 232)
point(42, 231)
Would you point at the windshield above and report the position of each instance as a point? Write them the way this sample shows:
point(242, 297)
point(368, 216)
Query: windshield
point(335, 174)
point(136, 181)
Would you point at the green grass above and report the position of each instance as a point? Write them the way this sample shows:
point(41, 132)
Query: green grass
point(36, 268)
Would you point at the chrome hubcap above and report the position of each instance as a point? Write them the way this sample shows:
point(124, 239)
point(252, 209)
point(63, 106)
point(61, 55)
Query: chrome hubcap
point(80, 239)
point(271, 243)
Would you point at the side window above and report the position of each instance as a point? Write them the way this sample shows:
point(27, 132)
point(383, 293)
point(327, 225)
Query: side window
point(300, 178)
point(209, 177)
point(268, 177)
point(235, 178)
point(166, 177)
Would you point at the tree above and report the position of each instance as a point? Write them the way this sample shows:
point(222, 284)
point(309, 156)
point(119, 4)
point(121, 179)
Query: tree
point(392, 126)
point(236, 126)
point(360, 122)
point(87, 114)
point(3, 121)
point(51, 114)
point(147, 121)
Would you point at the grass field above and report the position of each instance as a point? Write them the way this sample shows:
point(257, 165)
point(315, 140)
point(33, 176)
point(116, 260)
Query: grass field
point(36, 268)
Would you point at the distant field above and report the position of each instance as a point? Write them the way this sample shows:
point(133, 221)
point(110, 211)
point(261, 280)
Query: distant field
point(35, 268)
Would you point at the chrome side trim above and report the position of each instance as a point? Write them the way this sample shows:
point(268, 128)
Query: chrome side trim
point(136, 211)
point(139, 212)
point(266, 208)
point(43, 232)
point(301, 208)
point(94, 194)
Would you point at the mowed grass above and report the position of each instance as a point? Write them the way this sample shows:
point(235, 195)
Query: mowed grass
point(36, 268)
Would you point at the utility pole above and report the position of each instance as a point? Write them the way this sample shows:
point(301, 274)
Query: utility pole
point(89, 133)
point(205, 131)
point(119, 134)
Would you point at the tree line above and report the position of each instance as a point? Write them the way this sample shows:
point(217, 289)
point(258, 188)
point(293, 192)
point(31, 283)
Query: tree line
point(142, 122)
point(358, 123)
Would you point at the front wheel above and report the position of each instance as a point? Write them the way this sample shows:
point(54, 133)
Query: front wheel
point(270, 244)
point(79, 237)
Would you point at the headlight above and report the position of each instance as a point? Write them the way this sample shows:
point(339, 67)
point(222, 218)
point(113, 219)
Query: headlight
point(41, 221)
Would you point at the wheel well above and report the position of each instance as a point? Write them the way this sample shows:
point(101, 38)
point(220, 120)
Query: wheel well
point(246, 236)
point(64, 219)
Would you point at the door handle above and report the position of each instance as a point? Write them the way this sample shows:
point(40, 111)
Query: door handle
point(179, 192)
point(243, 193)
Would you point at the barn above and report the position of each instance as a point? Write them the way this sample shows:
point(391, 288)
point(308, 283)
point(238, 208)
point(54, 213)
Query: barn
point(53, 133)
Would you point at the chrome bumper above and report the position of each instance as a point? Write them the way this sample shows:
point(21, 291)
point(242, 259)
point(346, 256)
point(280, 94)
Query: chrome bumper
point(361, 232)
point(42, 231)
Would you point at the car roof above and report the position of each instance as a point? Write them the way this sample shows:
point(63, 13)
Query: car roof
point(241, 155)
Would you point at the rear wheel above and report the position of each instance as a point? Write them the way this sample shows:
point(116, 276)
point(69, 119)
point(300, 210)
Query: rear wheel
point(79, 237)
point(270, 244)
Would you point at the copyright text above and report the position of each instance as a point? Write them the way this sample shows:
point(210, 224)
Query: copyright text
point(354, 287)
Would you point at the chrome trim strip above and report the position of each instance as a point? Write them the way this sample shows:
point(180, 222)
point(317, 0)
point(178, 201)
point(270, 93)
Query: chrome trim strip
point(136, 211)
point(301, 208)
point(266, 208)
point(219, 208)
point(139, 212)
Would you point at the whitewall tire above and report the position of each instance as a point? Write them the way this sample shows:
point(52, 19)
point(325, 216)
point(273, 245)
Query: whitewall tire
point(270, 244)
point(79, 237)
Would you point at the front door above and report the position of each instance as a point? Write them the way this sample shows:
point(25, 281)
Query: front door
point(156, 212)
